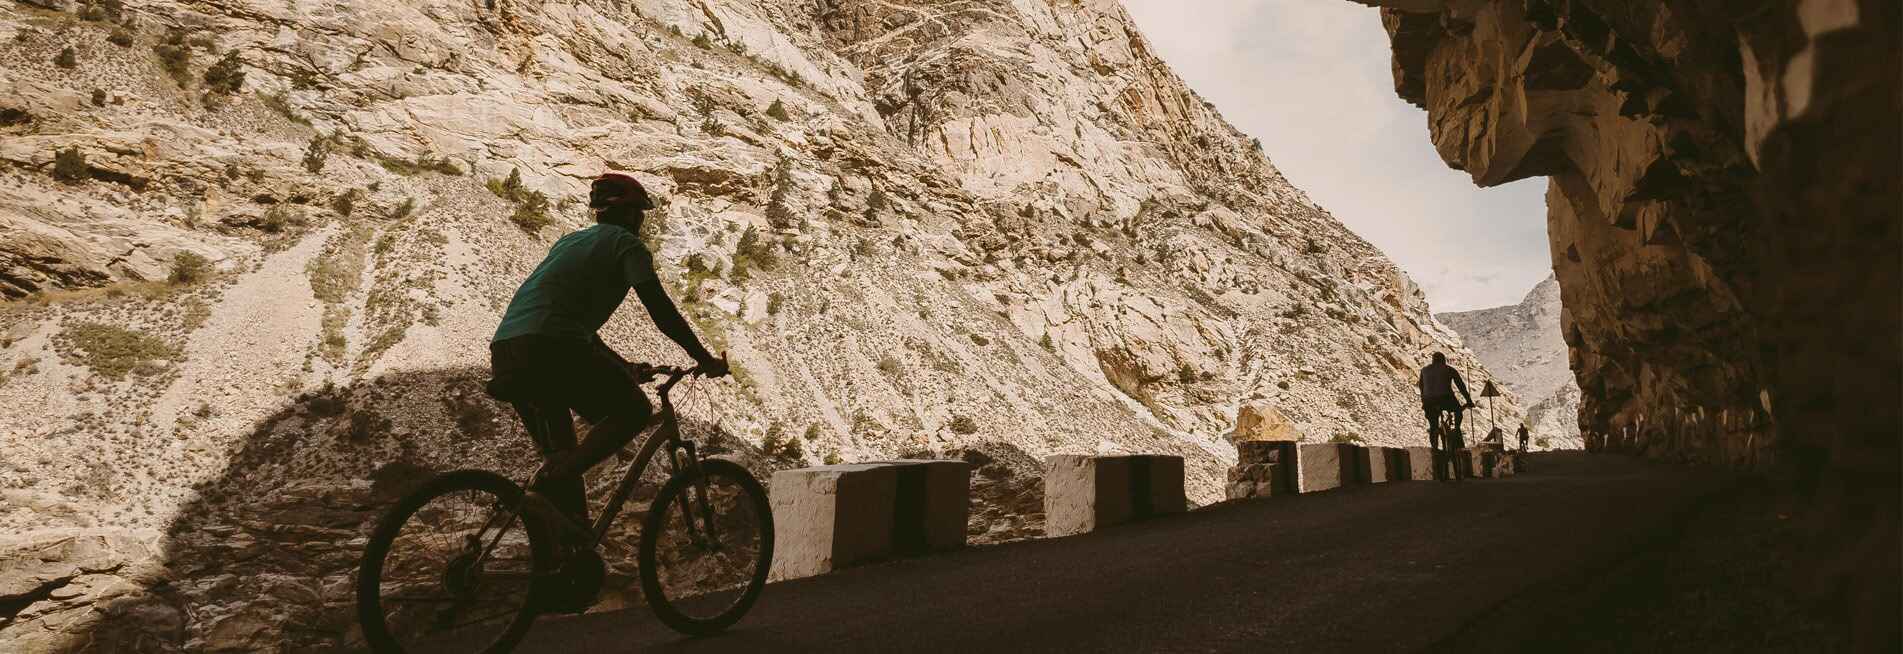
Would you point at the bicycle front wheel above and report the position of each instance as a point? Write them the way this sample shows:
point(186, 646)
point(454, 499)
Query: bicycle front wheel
point(705, 548)
point(451, 567)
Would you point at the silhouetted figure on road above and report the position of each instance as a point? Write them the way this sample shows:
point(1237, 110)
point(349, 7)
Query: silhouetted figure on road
point(1438, 383)
point(548, 359)
point(1523, 436)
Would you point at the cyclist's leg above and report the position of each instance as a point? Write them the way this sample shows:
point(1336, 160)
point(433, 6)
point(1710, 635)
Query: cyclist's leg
point(554, 432)
point(600, 389)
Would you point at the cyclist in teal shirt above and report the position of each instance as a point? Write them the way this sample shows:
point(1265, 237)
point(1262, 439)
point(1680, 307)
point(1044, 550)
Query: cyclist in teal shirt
point(547, 343)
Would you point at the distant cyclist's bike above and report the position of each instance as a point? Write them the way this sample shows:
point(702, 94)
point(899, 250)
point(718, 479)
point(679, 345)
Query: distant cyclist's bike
point(469, 560)
point(1446, 442)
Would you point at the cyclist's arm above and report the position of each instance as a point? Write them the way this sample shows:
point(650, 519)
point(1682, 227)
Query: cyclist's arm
point(669, 320)
point(1462, 385)
point(637, 267)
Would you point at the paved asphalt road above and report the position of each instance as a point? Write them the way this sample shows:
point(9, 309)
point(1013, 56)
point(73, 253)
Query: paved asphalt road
point(1398, 567)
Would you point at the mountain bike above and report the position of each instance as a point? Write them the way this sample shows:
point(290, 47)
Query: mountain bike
point(470, 559)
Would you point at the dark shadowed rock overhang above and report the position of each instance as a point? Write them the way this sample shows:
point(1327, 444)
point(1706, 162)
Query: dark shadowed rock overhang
point(1723, 212)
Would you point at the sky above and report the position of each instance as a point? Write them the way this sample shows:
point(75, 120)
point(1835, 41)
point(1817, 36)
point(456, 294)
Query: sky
point(1311, 79)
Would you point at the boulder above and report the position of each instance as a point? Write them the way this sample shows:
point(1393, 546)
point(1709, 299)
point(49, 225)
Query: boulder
point(1258, 421)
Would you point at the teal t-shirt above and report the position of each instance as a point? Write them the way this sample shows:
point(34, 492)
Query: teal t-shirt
point(579, 285)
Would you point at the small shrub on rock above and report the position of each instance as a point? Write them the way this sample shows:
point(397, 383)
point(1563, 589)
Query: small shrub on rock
point(67, 58)
point(69, 165)
point(316, 154)
point(175, 56)
point(115, 351)
point(226, 75)
point(532, 213)
point(777, 110)
point(121, 36)
point(99, 97)
point(103, 11)
point(190, 268)
point(962, 424)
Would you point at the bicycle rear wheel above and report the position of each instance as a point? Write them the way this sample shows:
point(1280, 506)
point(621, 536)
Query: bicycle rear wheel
point(705, 548)
point(451, 567)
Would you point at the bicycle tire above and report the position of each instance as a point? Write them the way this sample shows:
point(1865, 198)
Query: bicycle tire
point(654, 526)
point(370, 611)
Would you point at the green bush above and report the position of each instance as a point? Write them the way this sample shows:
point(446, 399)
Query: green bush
point(121, 36)
point(344, 203)
point(103, 11)
point(317, 153)
point(69, 165)
point(175, 56)
point(889, 365)
point(774, 301)
point(226, 75)
point(403, 210)
point(115, 351)
point(532, 213)
point(67, 58)
point(777, 110)
point(962, 424)
point(189, 268)
point(279, 217)
point(753, 252)
point(99, 97)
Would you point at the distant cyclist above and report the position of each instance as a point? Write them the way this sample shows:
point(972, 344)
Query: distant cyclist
point(1438, 383)
point(547, 342)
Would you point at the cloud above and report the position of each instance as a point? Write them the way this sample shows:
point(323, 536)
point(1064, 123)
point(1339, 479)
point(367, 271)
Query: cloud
point(1311, 78)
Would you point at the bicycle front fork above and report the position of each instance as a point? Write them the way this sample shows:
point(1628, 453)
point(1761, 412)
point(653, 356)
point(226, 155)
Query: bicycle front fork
point(695, 511)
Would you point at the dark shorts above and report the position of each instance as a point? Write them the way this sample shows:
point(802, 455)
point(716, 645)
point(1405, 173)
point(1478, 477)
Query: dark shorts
point(580, 376)
point(1433, 406)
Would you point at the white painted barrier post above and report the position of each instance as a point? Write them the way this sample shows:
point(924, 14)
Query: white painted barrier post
point(832, 517)
point(1420, 463)
point(1087, 493)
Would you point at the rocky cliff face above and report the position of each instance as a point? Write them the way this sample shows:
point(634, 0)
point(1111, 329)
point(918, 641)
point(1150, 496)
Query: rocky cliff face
point(1521, 343)
point(256, 248)
point(1724, 223)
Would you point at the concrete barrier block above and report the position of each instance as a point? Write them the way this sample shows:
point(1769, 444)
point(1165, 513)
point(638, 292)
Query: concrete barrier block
point(831, 517)
point(1326, 466)
point(1381, 468)
point(1466, 463)
point(1360, 465)
point(1086, 493)
point(1420, 463)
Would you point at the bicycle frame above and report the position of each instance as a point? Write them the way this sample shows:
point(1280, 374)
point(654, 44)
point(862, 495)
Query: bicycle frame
point(665, 431)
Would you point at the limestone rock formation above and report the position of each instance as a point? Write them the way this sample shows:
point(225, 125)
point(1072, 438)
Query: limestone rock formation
point(256, 249)
point(1723, 213)
point(1521, 343)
